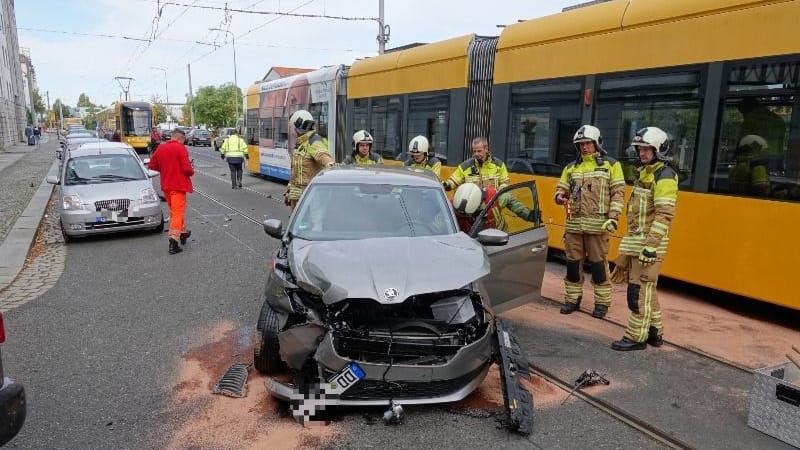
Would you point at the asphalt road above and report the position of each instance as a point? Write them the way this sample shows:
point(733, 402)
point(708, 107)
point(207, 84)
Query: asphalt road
point(122, 351)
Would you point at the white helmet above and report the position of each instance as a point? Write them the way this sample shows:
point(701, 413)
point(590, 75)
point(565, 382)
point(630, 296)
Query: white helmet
point(418, 145)
point(653, 137)
point(588, 133)
point(753, 143)
point(468, 198)
point(302, 121)
point(362, 136)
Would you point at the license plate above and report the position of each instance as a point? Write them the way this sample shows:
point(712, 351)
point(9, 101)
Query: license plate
point(345, 379)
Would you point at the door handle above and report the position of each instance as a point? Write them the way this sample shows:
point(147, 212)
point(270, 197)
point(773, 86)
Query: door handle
point(538, 248)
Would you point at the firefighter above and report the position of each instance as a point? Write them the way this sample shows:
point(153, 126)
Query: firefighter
point(309, 157)
point(362, 150)
point(748, 176)
point(469, 201)
point(482, 169)
point(651, 209)
point(592, 188)
point(419, 157)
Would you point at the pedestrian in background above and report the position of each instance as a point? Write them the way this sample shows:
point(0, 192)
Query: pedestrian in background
point(172, 160)
point(233, 150)
point(155, 139)
point(593, 189)
point(651, 209)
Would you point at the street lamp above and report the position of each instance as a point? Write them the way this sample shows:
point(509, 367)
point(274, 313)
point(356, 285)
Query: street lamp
point(166, 86)
point(235, 79)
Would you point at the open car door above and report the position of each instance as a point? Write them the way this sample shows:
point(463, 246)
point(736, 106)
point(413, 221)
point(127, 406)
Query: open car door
point(517, 268)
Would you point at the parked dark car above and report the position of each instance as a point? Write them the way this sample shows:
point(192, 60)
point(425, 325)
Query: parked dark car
point(199, 137)
point(12, 399)
point(372, 273)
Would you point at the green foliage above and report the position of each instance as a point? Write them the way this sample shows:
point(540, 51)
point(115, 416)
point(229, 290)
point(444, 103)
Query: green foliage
point(84, 102)
point(57, 105)
point(216, 106)
point(38, 104)
point(159, 109)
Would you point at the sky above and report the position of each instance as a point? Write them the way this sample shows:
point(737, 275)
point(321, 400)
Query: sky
point(80, 46)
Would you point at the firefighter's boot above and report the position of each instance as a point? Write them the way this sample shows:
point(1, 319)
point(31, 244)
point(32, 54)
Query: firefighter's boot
point(626, 344)
point(600, 311)
point(569, 308)
point(653, 338)
point(174, 247)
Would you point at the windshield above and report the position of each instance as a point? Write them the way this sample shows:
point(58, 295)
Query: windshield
point(363, 211)
point(102, 169)
point(136, 123)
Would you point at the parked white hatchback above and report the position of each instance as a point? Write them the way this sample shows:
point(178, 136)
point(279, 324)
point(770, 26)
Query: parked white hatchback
point(105, 188)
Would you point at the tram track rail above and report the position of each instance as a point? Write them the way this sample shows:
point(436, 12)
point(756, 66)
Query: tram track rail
point(617, 413)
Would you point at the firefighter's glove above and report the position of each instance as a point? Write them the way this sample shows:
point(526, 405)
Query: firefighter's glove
point(611, 225)
point(447, 185)
point(221, 156)
point(648, 256)
point(533, 216)
point(561, 198)
point(286, 200)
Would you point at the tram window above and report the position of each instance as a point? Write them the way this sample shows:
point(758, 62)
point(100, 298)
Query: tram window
point(428, 115)
point(252, 127)
point(360, 115)
point(265, 131)
point(758, 154)
point(669, 101)
point(319, 111)
point(385, 126)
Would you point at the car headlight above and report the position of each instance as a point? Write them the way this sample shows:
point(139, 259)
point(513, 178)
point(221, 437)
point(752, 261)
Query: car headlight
point(149, 196)
point(72, 202)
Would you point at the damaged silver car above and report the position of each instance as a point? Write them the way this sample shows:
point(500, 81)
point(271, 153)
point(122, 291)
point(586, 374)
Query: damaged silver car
point(376, 298)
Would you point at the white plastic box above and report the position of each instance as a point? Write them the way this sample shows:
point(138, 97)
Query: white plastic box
point(775, 403)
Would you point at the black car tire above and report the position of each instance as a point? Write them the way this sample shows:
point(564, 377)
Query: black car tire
point(266, 352)
point(67, 238)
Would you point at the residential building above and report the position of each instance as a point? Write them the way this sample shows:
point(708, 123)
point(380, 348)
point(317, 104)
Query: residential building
point(12, 90)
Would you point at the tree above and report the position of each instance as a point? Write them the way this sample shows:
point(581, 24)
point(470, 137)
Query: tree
point(38, 104)
point(58, 105)
point(216, 106)
point(159, 109)
point(84, 102)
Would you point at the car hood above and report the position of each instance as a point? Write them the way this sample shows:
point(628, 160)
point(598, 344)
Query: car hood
point(90, 193)
point(388, 270)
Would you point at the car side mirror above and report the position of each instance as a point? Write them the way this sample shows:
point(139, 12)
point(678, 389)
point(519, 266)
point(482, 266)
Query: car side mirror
point(152, 173)
point(492, 237)
point(52, 179)
point(274, 228)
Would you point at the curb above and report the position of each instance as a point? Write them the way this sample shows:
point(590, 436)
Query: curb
point(17, 244)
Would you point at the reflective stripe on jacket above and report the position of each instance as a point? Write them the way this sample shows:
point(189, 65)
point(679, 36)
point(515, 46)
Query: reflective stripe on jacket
point(233, 146)
point(651, 209)
point(491, 173)
point(371, 159)
point(433, 164)
point(309, 157)
point(595, 189)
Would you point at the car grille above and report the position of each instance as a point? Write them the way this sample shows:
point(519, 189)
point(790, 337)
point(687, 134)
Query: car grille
point(132, 221)
point(112, 205)
point(378, 389)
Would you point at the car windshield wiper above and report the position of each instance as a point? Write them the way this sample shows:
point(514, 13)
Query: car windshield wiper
point(114, 177)
point(77, 180)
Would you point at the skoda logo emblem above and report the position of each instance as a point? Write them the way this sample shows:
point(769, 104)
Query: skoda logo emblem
point(390, 293)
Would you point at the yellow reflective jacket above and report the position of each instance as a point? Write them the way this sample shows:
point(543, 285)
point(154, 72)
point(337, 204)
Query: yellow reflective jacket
point(595, 187)
point(233, 146)
point(371, 159)
point(492, 173)
point(651, 209)
point(433, 164)
point(309, 157)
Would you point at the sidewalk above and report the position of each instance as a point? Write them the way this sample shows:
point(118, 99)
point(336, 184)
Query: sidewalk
point(23, 170)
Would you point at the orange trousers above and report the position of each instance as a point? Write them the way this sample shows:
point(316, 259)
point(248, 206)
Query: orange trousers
point(177, 211)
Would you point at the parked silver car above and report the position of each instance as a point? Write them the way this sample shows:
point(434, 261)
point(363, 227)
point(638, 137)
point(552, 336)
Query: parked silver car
point(105, 188)
point(376, 297)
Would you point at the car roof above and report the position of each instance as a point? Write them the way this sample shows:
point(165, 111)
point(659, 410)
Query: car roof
point(392, 175)
point(102, 148)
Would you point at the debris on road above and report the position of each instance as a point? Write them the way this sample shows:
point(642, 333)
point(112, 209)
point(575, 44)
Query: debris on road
point(234, 382)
